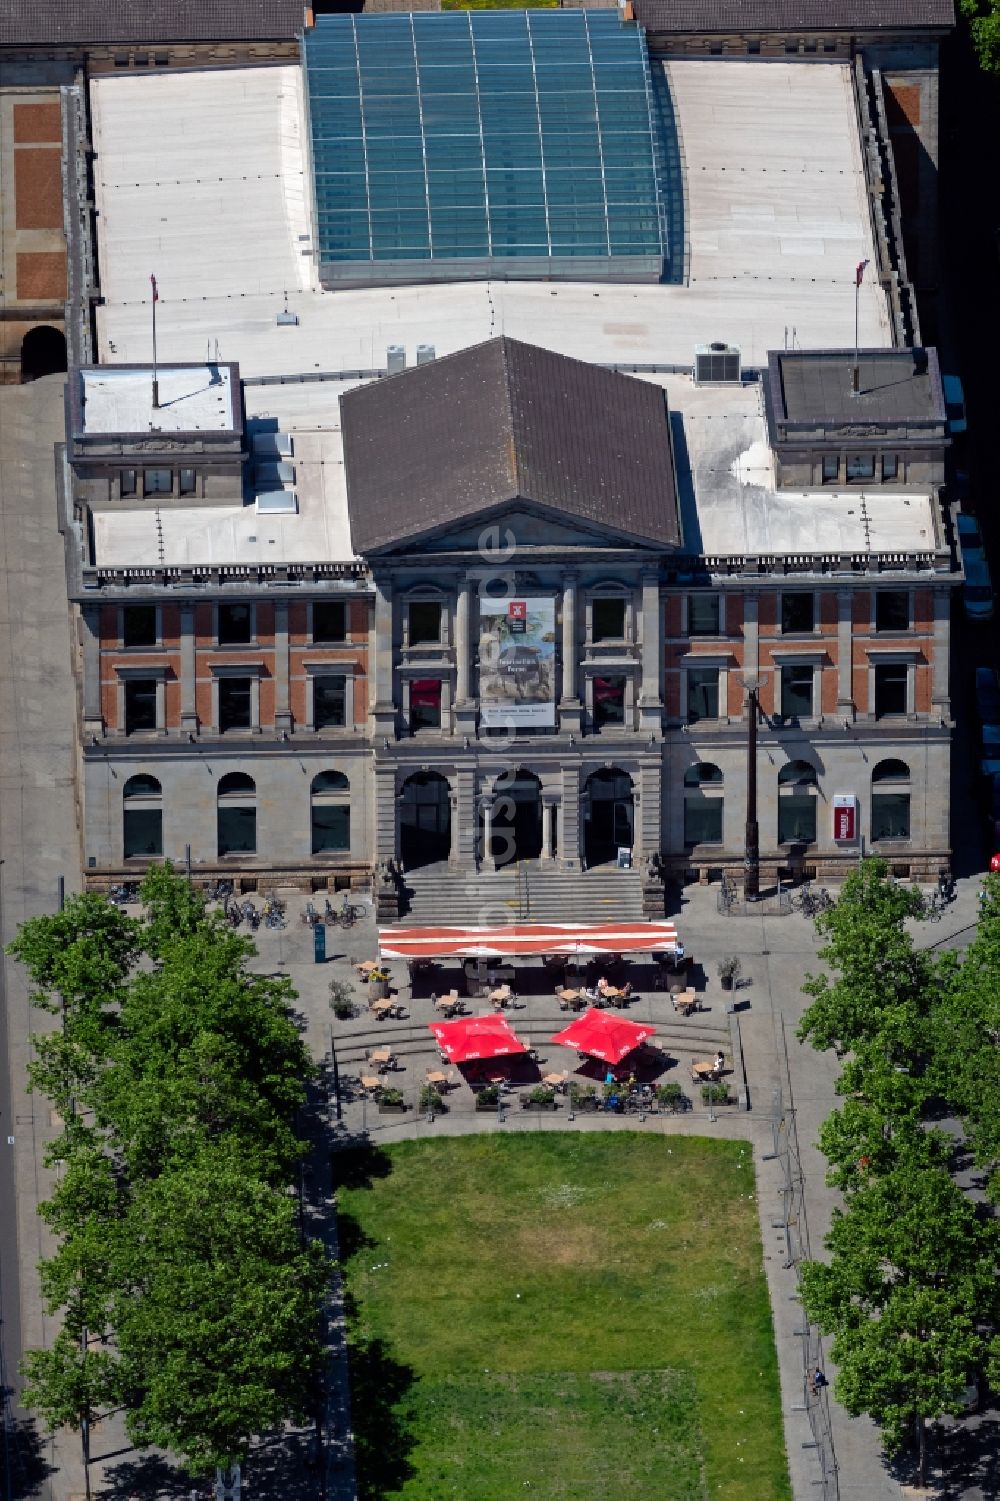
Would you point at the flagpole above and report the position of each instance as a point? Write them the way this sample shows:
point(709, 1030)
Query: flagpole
point(859, 276)
point(156, 383)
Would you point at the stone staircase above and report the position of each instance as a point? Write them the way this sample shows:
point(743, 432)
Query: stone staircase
point(526, 892)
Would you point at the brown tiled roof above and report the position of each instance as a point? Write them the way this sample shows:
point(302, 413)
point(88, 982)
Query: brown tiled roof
point(503, 422)
point(71, 23)
point(727, 16)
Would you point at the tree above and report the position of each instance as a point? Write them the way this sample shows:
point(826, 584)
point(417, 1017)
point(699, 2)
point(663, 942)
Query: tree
point(69, 1384)
point(983, 17)
point(216, 1318)
point(911, 1272)
point(883, 985)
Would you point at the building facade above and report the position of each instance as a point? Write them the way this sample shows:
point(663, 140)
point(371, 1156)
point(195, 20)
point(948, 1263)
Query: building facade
point(537, 641)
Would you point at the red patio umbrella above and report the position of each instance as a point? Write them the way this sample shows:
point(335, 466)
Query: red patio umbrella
point(473, 1037)
point(606, 1037)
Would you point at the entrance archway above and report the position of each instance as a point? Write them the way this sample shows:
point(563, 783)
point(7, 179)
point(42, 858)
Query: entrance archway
point(424, 820)
point(608, 824)
point(517, 818)
point(43, 352)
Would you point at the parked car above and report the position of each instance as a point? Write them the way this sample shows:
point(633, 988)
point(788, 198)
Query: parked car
point(977, 592)
point(970, 537)
point(954, 402)
point(988, 695)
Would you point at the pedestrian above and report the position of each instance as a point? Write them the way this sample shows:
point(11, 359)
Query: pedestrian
point(817, 1381)
point(720, 1062)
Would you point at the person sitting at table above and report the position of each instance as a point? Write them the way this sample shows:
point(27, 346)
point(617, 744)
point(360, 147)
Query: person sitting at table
point(626, 989)
point(602, 986)
point(719, 1062)
point(589, 993)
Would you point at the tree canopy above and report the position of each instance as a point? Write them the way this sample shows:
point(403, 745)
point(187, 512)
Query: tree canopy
point(184, 1289)
point(983, 17)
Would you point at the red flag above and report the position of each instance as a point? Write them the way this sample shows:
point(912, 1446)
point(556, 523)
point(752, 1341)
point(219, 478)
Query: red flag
point(156, 295)
point(859, 274)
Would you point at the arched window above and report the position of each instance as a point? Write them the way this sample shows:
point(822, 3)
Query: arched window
point(237, 814)
point(797, 792)
point(890, 818)
point(891, 771)
point(142, 817)
point(43, 352)
point(704, 772)
point(703, 804)
point(330, 800)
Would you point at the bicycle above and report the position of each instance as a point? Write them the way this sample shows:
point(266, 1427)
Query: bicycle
point(348, 915)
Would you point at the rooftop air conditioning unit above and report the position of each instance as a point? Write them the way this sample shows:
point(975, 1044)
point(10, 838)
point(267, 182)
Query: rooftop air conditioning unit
point(425, 353)
point(395, 359)
point(716, 364)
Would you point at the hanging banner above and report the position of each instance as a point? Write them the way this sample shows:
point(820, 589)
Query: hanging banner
point(517, 663)
point(845, 817)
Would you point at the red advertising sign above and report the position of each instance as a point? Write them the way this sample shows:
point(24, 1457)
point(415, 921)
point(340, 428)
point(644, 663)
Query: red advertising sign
point(845, 817)
point(517, 616)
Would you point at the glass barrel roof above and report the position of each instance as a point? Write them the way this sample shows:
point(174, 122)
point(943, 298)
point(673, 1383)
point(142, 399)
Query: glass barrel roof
point(469, 144)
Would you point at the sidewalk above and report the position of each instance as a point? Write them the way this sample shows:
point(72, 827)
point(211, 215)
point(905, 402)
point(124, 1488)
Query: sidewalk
point(38, 835)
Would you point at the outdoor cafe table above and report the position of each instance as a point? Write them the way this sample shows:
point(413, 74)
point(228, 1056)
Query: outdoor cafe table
point(365, 968)
point(382, 1008)
point(569, 996)
point(380, 1056)
point(447, 1002)
point(684, 1000)
point(501, 996)
point(369, 1082)
point(703, 1070)
point(435, 1076)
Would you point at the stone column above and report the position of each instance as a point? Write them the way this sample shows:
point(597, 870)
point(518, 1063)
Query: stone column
point(464, 717)
point(845, 652)
point(90, 626)
point(940, 690)
point(464, 828)
point(570, 708)
point(282, 710)
point(569, 808)
point(647, 811)
point(189, 672)
point(486, 859)
point(548, 829)
point(386, 834)
point(651, 690)
point(383, 706)
point(751, 652)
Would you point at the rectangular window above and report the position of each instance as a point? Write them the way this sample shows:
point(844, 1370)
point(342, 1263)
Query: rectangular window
point(188, 482)
point(126, 482)
point(157, 481)
point(798, 613)
point(425, 622)
point(235, 703)
point(142, 832)
point(140, 704)
point(704, 615)
point(608, 619)
point(235, 625)
point(890, 815)
point(892, 610)
point(237, 829)
point(702, 819)
point(860, 466)
point(329, 620)
point(331, 828)
point(831, 468)
point(702, 693)
point(139, 625)
point(797, 692)
point(890, 688)
point(890, 467)
point(330, 702)
point(797, 819)
point(425, 704)
point(609, 701)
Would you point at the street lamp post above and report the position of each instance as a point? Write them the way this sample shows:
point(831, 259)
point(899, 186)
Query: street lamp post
point(751, 843)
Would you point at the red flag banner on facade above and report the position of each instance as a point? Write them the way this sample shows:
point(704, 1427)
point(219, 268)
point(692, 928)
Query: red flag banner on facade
point(859, 274)
point(156, 295)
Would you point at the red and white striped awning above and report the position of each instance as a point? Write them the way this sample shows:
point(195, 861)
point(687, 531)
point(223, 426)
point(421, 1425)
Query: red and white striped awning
point(523, 939)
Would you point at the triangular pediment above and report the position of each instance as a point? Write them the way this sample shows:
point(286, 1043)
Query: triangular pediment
point(499, 530)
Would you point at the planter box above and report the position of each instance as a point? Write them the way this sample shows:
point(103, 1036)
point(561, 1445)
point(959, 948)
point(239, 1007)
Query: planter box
point(590, 1104)
point(485, 1105)
point(537, 1104)
point(378, 990)
point(391, 1109)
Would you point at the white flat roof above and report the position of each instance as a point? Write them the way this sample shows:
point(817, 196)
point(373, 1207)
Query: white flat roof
point(214, 536)
point(201, 178)
point(191, 400)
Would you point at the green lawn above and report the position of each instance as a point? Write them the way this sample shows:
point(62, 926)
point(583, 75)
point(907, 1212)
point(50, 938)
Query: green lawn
point(566, 1316)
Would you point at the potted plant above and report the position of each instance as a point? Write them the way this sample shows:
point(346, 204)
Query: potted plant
point(391, 1102)
point(582, 1096)
point(729, 971)
point(378, 984)
point(539, 1098)
point(341, 1000)
point(488, 1097)
point(616, 1092)
point(671, 1097)
point(715, 1094)
point(432, 1101)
